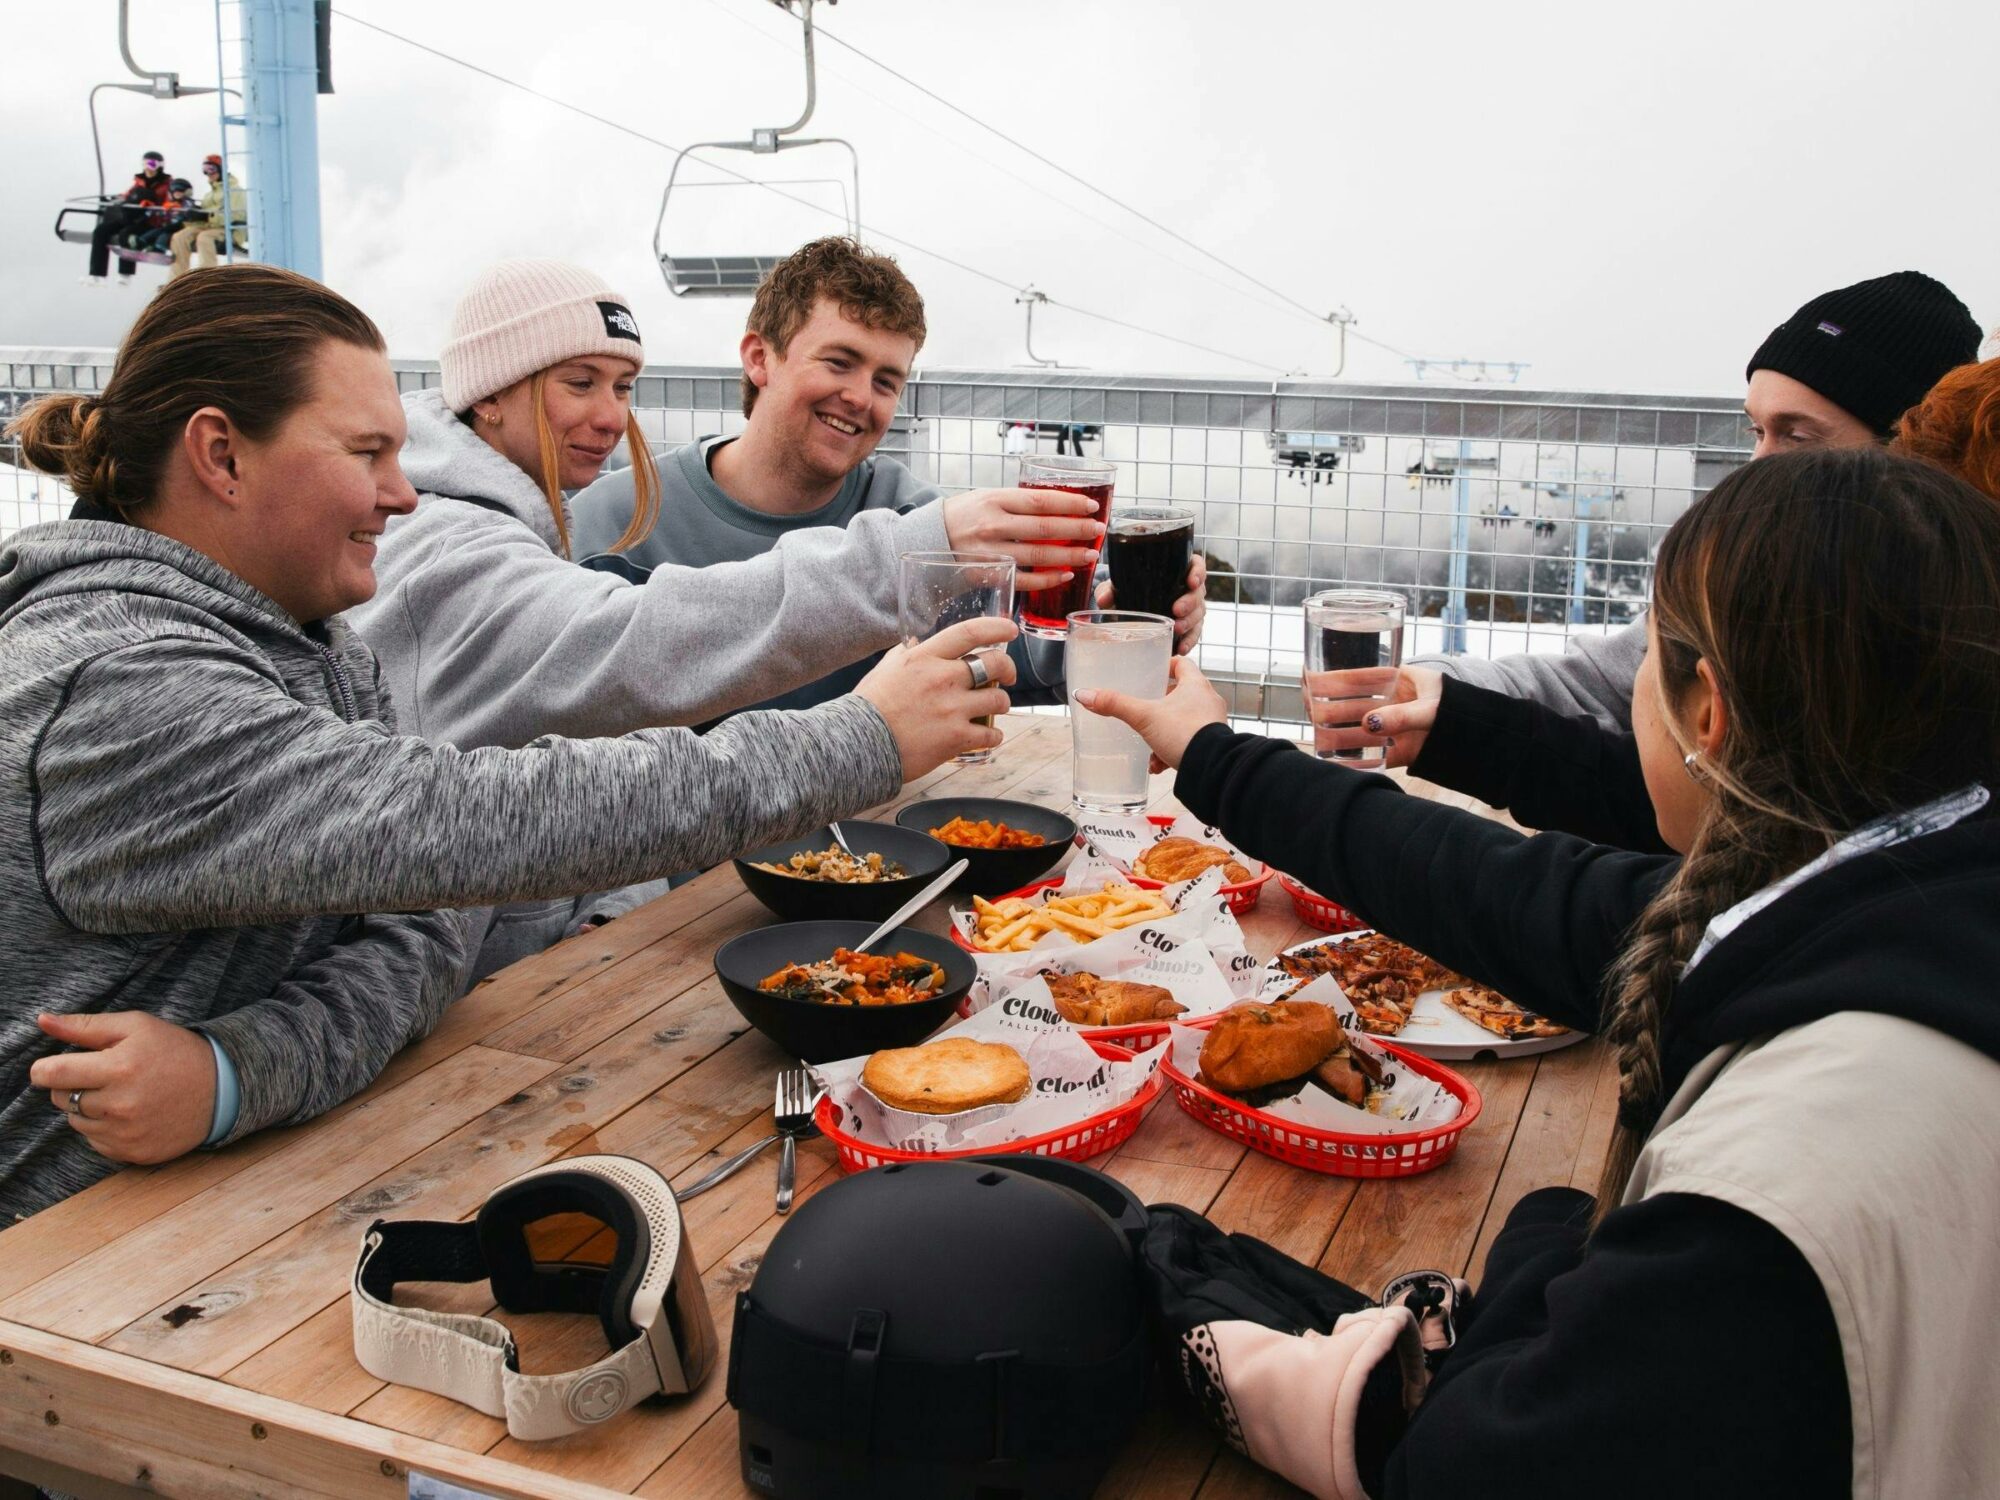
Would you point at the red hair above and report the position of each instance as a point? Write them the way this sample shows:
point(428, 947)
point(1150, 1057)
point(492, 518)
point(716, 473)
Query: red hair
point(1957, 426)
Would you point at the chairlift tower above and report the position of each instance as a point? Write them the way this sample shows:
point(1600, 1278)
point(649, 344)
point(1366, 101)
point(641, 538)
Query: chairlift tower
point(1472, 371)
point(284, 68)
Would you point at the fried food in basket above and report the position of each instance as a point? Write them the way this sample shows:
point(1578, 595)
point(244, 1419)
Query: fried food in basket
point(1086, 1000)
point(1015, 924)
point(1176, 859)
point(948, 1076)
point(1499, 1015)
point(850, 978)
point(1349, 1074)
point(963, 833)
point(1253, 1046)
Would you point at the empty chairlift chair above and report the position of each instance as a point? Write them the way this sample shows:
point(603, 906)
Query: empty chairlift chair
point(689, 275)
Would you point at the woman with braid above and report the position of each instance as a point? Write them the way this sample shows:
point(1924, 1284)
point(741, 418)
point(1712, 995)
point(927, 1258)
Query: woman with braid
point(1779, 1288)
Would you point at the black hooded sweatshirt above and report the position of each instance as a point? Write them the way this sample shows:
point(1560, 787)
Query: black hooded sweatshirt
point(1686, 1348)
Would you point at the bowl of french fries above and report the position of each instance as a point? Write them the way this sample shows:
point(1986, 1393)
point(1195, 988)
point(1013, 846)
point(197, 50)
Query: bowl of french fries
point(1028, 918)
point(1005, 844)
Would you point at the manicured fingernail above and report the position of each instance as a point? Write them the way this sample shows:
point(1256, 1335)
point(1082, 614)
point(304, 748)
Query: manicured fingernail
point(1087, 697)
point(1374, 723)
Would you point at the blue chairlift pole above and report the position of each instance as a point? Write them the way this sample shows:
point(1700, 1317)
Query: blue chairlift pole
point(1461, 542)
point(281, 118)
point(1579, 566)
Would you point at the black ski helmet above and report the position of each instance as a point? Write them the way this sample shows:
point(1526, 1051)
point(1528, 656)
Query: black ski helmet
point(951, 1330)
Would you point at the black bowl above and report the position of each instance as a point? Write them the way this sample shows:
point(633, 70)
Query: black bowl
point(992, 871)
point(800, 900)
point(825, 1033)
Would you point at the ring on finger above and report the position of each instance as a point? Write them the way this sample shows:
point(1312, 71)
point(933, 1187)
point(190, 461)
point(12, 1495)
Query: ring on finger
point(980, 676)
point(75, 1104)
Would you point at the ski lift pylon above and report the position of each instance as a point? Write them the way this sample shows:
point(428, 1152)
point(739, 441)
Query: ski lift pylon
point(739, 275)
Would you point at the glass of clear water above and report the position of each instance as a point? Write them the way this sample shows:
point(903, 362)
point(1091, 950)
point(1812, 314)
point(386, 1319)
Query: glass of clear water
point(935, 590)
point(1354, 646)
point(1127, 652)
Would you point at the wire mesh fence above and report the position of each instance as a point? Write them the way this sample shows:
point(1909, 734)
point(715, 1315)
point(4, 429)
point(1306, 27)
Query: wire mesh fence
point(1512, 520)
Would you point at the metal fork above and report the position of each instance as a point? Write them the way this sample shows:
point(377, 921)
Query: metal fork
point(794, 1110)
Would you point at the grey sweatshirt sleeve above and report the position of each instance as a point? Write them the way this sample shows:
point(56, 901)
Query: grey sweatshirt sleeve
point(510, 641)
point(177, 785)
point(334, 1024)
point(1594, 676)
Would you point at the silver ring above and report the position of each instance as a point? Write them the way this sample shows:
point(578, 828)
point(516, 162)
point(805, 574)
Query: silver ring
point(75, 1102)
point(980, 676)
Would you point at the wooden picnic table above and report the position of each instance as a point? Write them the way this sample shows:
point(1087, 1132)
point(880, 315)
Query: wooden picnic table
point(184, 1330)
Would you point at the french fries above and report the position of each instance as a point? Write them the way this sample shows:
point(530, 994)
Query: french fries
point(1015, 924)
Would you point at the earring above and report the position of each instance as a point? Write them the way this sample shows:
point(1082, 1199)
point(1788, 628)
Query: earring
point(491, 418)
point(1691, 763)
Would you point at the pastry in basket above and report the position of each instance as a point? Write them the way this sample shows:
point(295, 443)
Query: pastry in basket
point(1500, 1015)
point(1086, 1000)
point(1349, 1075)
point(1176, 859)
point(947, 1076)
point(1253, 1045)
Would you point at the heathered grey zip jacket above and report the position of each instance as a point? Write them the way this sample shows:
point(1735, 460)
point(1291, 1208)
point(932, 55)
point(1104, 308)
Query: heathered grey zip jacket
point(1593, 677)
point(197, 794)
point(489, 636)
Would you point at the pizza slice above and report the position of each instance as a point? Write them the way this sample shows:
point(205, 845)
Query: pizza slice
point(1499, 1015)
point(1382, 1000)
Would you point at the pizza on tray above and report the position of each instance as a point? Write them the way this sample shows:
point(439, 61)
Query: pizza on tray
point(1499, 1015)
point(1380, 977)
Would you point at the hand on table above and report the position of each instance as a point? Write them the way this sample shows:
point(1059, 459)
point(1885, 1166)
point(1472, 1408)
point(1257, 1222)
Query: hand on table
point(147, 1086)
point(1345, 718)
point(1189, 610)
point(1050, 534)
point(925, 694)
point(1165, 724)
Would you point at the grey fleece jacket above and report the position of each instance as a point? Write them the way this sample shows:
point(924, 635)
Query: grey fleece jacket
point(198, 797)
point(1593, 677)
point(489, 636)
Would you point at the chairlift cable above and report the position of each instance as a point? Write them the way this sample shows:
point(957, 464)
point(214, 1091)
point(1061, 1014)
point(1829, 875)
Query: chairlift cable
point(875, 232)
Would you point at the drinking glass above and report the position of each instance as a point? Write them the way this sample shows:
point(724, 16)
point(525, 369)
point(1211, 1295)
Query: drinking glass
point(1045, 611)
point(1128, 652)
point(1149, 549)
point(1349, 630)
point(939, 589)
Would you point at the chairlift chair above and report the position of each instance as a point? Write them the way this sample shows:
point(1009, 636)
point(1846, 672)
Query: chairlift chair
point(739, 275)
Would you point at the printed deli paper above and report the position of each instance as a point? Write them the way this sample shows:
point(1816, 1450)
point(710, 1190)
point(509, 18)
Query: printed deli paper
point(1200, 942)
point(1123, 837)
point(1409, 1102)
point(1071, 1084)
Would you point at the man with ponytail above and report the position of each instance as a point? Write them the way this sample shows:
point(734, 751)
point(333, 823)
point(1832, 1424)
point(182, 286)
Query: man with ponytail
point(1776, 1288)
point(225, 877)
point(490, 634)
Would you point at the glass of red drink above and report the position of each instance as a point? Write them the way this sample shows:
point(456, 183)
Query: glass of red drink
point(1046, 612)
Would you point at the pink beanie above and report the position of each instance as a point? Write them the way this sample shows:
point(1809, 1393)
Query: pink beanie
point(526, 315)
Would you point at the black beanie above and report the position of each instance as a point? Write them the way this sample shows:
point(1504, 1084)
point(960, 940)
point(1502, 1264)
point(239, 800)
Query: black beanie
point(1876, 348)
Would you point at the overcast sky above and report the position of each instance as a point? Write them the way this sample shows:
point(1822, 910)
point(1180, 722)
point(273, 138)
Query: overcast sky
point(1624, 197)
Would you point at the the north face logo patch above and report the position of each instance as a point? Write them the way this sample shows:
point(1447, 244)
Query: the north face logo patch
point(619, 322)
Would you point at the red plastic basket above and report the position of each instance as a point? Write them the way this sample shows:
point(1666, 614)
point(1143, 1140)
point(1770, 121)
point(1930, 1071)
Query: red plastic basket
point(1078, 1142)
point(1341, 1154)
point(1316, 911)
point(1241, 895)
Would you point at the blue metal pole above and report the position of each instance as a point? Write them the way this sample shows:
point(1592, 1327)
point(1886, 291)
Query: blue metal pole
point(281, 113)
point(1461, 541)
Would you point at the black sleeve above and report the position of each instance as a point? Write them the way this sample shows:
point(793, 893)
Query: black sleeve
point(1686, 1349)
point(1552, 771)
point(1540, 919)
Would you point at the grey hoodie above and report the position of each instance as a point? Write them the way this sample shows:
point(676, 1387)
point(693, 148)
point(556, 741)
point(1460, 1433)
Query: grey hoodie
point(489, 636)
point(1593, 677)
point(197, 794)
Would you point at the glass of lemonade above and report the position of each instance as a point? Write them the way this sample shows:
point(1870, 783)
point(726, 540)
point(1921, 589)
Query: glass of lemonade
point(1045, 611)
point(1127, 652)
point(935, 590)
point(1353, 630)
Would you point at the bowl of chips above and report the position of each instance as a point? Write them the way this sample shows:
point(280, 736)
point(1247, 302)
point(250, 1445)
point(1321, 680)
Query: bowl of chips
point(812, 877)
point(824, 1027)
point(1005, 844)
point(1026, 918)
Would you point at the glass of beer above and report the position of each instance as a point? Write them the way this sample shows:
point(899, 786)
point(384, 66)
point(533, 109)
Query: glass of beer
point(1149, 549)
point(1352, 630)
point(1127, 652)
point(935, 590)
point(1044, 612)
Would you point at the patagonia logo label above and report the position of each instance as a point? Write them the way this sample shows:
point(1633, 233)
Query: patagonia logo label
point(620, 324)
point(1833, 329)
